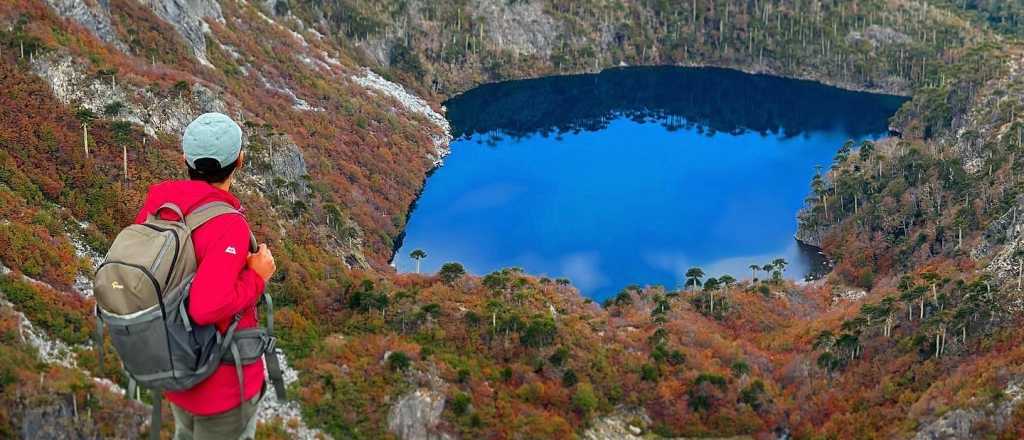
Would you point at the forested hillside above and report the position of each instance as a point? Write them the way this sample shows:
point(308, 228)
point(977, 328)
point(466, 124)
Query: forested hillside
point(447, 47)
point(915, 334)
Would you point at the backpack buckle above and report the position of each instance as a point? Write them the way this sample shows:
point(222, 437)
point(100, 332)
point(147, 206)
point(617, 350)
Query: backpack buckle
point(271, 345)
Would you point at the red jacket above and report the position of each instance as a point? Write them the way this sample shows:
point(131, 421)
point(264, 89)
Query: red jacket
point(223, 286)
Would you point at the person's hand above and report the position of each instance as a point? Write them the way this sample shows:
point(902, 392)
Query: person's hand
point(262, 262)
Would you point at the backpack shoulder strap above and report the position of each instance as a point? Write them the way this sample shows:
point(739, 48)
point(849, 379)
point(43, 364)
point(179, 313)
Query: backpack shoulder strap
point(168, 206)
point(207, 212)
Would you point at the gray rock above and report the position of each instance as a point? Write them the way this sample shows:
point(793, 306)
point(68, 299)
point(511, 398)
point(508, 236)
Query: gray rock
point(188, 17)
point(878, 36)
point(93, 16)
point(58, 421)
point(417, 414)
point(959, 423)
point(622, 424)
point(155, 113)
point(522, 27)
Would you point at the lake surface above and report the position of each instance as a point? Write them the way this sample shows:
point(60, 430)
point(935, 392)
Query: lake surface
point(634, 175)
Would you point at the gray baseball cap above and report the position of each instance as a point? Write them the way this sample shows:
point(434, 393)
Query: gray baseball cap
point(214, 136)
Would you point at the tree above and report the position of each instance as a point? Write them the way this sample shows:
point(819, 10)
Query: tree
point(753, 271)
point(451, 272)
point(540, 332)
point(418, 255)
point(828, 362)
point(85, 116)
point(932, 279)
point(710, 286)
point(399, 361)
point(866, 149)
point(824, 341)
point(780, 264)
point(740, 368)
point(694, 276)
point(727, 281)
point(461, 403)
point(768, 268)
point(569, 379)
point(751, 394)
point(113, 109)
point(584, 399)
point(661, 307)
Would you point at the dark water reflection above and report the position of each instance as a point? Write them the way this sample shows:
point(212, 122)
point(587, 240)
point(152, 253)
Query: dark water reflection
point(634, 175)
point(708, 100)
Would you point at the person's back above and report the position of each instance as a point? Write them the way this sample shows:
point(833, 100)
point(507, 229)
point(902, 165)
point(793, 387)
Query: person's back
point(228, 281)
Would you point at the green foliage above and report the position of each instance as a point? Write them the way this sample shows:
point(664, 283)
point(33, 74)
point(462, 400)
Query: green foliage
point(740, 368)
point(706, 392)
point(650, 372)
point(540, 332)
point(399, 361)
point(569, 379)
point(113, 109)
point(584, 400)
point(460, 404)
point(559, 356)
point(753, 394)
point(676, 357)
point(451, 272)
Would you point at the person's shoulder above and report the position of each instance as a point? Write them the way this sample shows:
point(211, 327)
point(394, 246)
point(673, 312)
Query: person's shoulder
point(232, 222)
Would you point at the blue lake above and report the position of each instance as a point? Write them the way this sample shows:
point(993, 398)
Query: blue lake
point(634, 175)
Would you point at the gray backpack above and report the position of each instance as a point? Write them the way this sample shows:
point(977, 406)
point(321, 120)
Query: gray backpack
point(142, 292)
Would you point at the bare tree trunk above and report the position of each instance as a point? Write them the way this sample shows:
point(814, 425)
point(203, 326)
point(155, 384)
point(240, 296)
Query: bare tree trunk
point(85, 138)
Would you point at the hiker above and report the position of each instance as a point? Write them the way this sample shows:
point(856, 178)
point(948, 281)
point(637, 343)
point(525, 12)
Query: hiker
point(228, 281)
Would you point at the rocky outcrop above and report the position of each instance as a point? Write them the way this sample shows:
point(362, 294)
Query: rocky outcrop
point(959, 423)
point(60, 419)
point(876, 36)
point(288, 411)
point(811, 236)
point(168, 112)
point(189, 18)
point(840, 295)
point(633, 424)
point(417, 414)
point(440, 133)
point(521, 27)
point(94, 16)
point(623, 424)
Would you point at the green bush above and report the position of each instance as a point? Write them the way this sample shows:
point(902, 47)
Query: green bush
point(584, 400)
point(399, 361)
point(569, 379)
point(460, 404)
point(649, 373)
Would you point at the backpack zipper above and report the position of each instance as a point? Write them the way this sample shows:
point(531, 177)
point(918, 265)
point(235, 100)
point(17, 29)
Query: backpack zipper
point(177, 246)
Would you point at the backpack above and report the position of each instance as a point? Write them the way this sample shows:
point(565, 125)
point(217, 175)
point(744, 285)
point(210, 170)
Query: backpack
point(142, 291)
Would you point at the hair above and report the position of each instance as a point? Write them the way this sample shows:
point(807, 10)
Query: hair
point(209, 170)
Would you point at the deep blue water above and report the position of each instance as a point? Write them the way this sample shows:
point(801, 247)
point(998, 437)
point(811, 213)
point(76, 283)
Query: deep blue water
point(634, 175)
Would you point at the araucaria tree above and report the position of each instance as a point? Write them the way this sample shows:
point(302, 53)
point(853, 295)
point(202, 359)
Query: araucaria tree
point(694, 277)
point(418, 255)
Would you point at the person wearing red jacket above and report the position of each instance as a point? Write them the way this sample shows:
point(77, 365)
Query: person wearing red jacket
point(228, 281)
